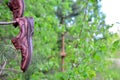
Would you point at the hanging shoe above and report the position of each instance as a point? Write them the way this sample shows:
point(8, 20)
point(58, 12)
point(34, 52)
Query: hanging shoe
point(17, 8)
point(24, 40)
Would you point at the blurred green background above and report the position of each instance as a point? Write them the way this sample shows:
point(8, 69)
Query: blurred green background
point(92, 51)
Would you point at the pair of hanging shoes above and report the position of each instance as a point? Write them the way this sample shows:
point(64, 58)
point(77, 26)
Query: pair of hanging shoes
point(23, 41)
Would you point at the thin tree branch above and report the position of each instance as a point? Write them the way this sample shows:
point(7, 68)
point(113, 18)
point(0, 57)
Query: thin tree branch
point(84, 18)
point(63, 54)
point(3, 67)
point(11, 69)
point(7, 23)
point(72, 15)
point(62, 64)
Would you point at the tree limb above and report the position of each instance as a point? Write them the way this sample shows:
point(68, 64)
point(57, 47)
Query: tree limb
point(7, 23)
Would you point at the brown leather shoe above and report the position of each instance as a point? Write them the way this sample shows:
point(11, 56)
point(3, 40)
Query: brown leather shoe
point(17, 8)
point(16, 43)
point(24, 40)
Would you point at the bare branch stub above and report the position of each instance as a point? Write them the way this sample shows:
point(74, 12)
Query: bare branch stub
point(7, 23)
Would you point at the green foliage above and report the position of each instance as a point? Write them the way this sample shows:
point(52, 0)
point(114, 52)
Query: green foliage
point(86, 52)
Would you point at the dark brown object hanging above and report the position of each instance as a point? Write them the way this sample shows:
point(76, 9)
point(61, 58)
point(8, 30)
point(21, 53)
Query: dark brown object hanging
point(24, 40)
point(17, 8)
